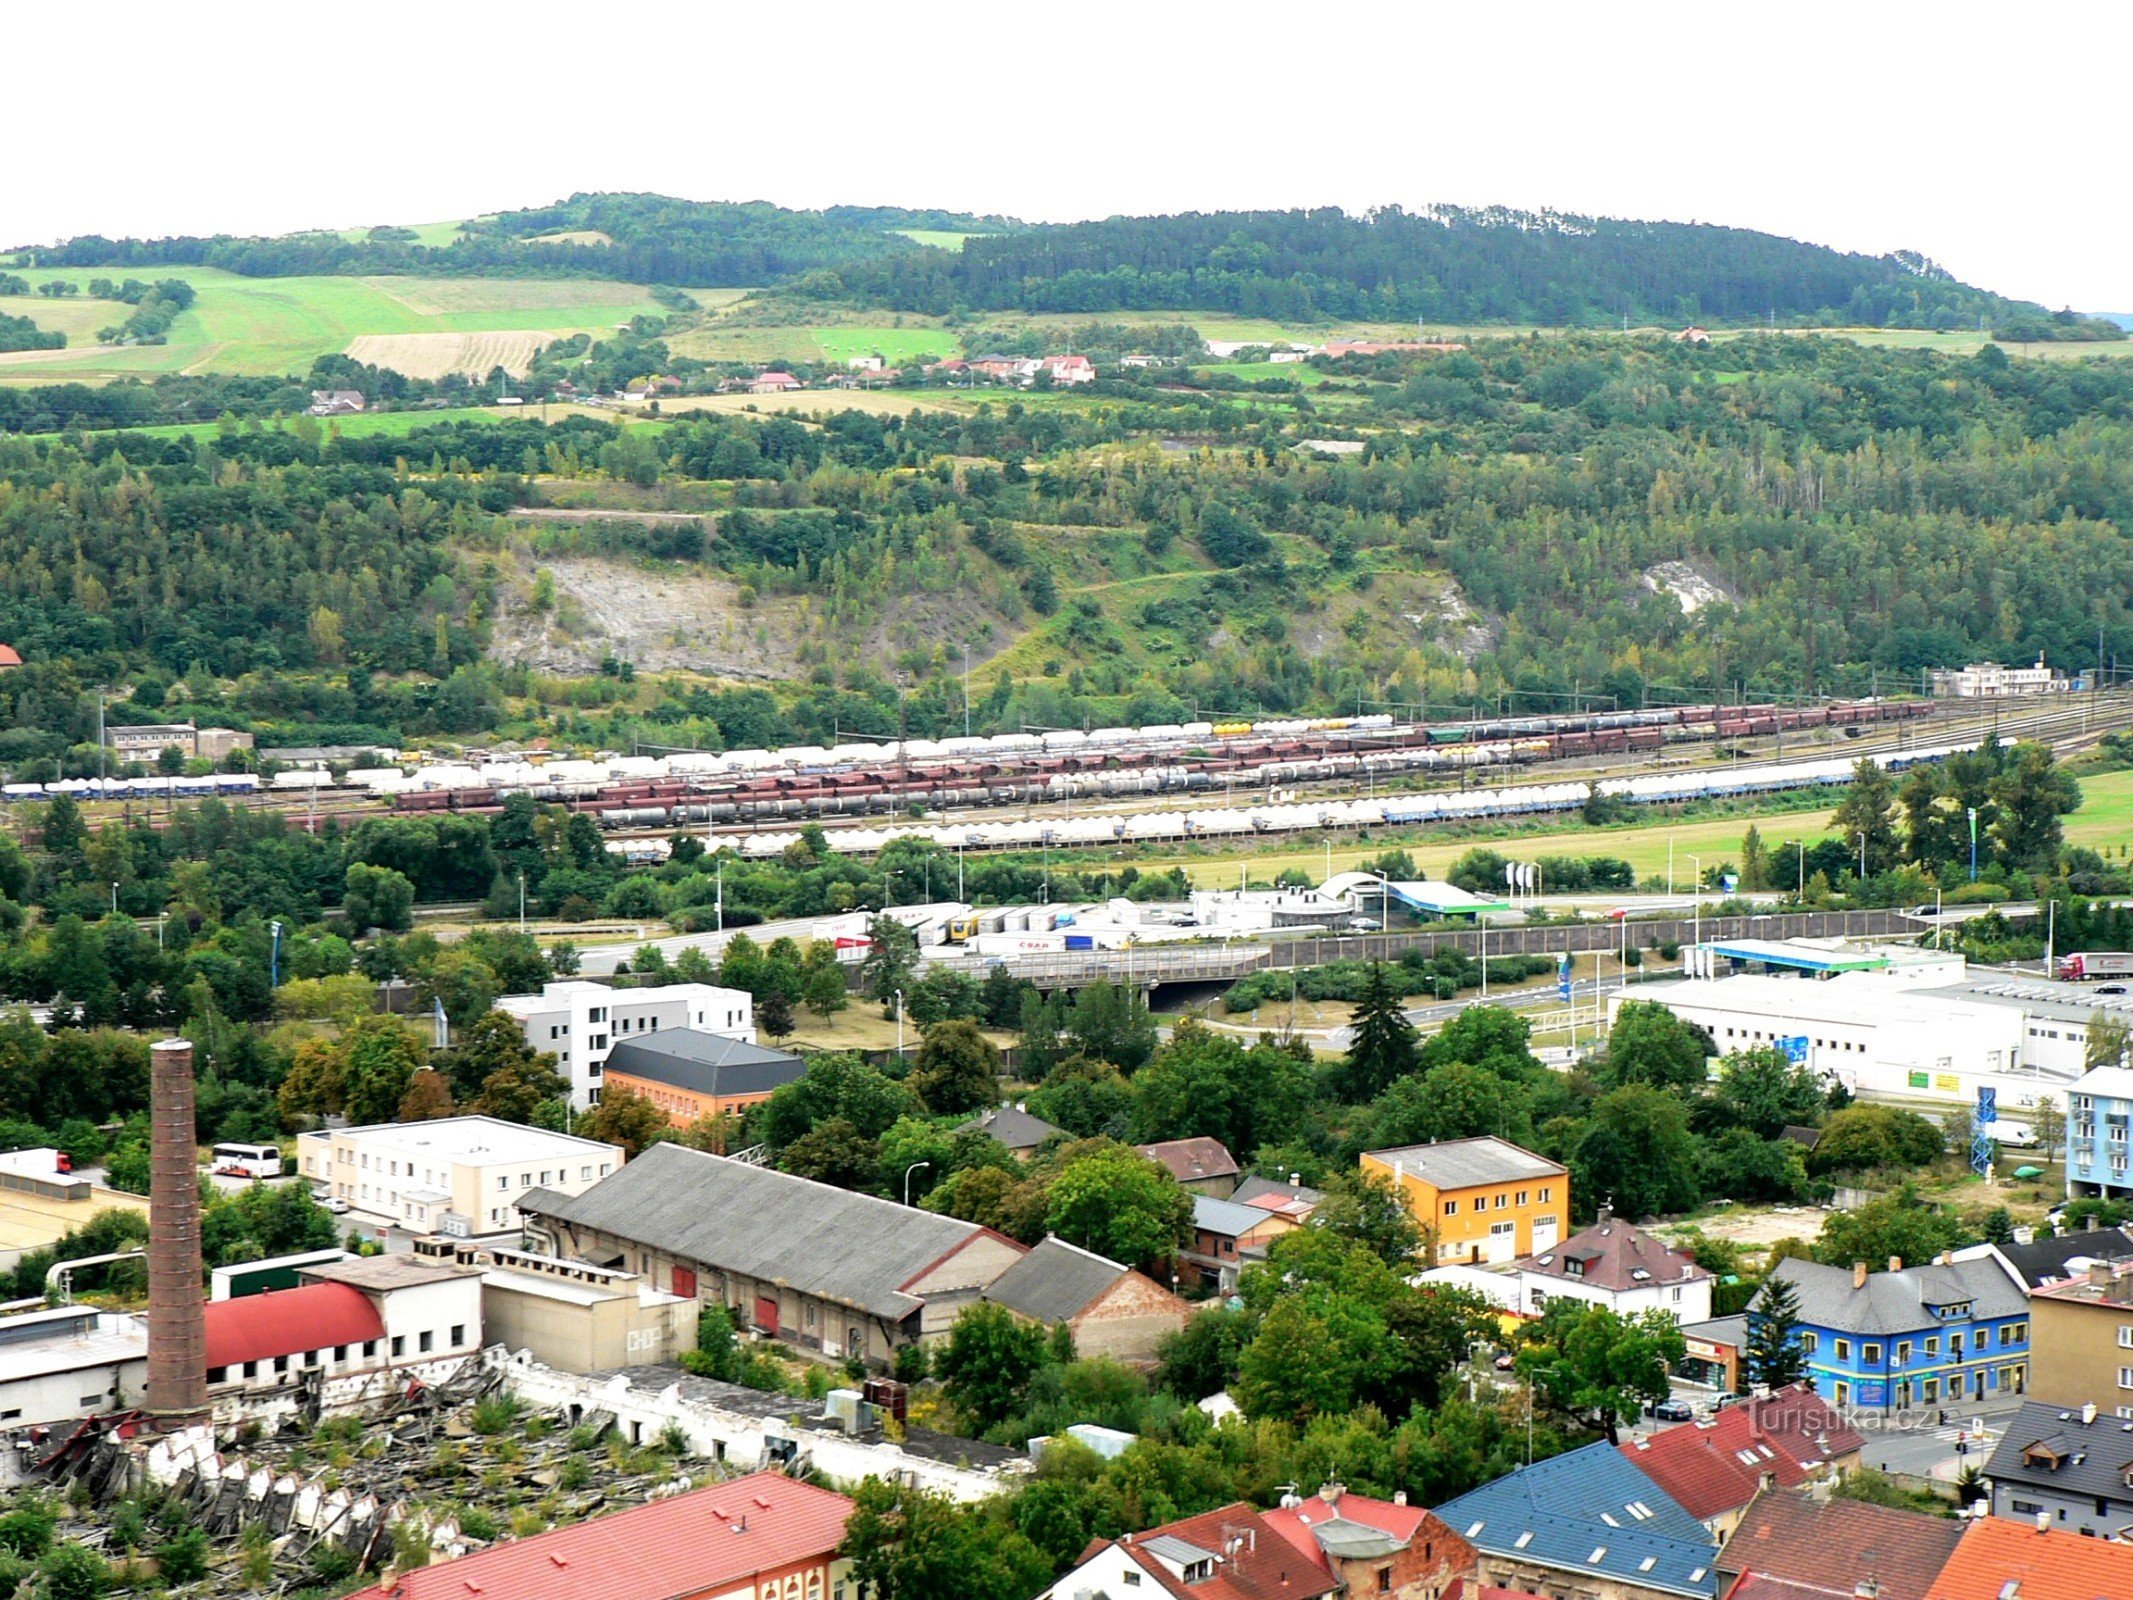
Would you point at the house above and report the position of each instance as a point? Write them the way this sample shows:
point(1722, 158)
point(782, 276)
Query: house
point(1203, 1166)
point(993, 366)
point(1477, 1199)
point(1111, 1310)
point(1285, 1199)
point(2005, 1561)
point(1924, 1336)
point(335, 402)
point(1228, 1554)
point(576, 1317)
point(1618, 1265)
point(1793, 1546)
point(455, 1176)
point(774, 383)
point(2099, 1107)
point(579, 1021)
point(692, 1073)
point(351, 1334)
point(1375, 1547)
point(1715, 1469)
point(1585, 1522)
point(2058, 1257)
point(69, 1361)
point(847, 1274)
point(2070, 1469)
point(1067, 371)
point(763, 1535)
point(1023, 1134)
point(1135, 359)
point(1224, 1235)
point(9, 657)
point(1692, 335)
point(863, 364)
point(2081, 1338)
point(1714, 1354)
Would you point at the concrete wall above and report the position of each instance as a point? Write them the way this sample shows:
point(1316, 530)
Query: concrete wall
point(59, 1396)
point(1129, 1320)
point(2074, 1353)
point(574, 1336)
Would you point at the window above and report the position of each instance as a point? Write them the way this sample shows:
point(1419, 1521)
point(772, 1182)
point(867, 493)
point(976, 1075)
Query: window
point(2125, 1377)
point(1870, 1355)
point(426, 1339)
point(1502, 1200)
point(1844, 1393)
point(399, 1345)
point(1903, 1352)
point(281, 1363)
point(2014, 1333)
point(1932, 1344)
point(311, 1357)
point(251, 1369)
point(340, 1354)
point(2025, 1508)
point(2125, 1336)
point(503, 1182)
point(525, 1180)
point(370, 1347)
point(1547, 1194)
point(585, 1174)
point(214, 1375)
point(459, 1333)
point(1808, 1342)
point(1521, 1197)
point(1844, 1349)
point(1451, 1208)
point(1932, 1390)
point(1133, 1580)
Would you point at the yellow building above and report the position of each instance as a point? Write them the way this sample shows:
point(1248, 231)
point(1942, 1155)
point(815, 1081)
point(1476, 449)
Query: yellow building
point(1477, 1200)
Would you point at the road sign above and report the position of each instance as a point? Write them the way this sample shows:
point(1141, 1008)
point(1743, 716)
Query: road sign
point(1795, 1047)
point(1562, 977)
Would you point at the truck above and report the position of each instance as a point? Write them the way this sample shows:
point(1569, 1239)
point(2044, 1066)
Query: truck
point(2089, 965)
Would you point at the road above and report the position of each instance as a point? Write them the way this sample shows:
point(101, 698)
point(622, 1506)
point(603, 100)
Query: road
point(1437, 1014)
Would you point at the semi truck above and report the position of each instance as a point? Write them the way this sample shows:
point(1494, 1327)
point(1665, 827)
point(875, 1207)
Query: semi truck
point(2089, 965)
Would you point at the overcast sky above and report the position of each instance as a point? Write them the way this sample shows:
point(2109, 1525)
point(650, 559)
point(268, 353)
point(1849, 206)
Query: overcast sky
point(1990, 141)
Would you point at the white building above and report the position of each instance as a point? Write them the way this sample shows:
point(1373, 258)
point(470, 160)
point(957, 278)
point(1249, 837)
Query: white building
point(70, 1361)
point(456, 1176)
point(1619, 1266)
point(579, 1021)
point(1988, 680)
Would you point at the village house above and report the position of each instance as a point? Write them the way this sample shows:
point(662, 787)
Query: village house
point(1110, 1309)
point(1225, 1236)
point(1285, 1199)
point(335, 402)
point(2071, 1469)
point(1376, 1547)
point(1203, 1166)
point(774, 383)
point(1615, 1264)
point(1015, 1127)
point(1793, 1546)
point(1714, 1469)
point(1233, 1553)
point(1067, 371)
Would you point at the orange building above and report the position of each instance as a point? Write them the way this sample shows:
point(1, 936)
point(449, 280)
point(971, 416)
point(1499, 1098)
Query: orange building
point(1477, 1200)
point(690, 1074)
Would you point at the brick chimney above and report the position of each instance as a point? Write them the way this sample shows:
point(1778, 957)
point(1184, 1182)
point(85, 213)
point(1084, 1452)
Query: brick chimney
point(1895, 1263)
point(177, 1310)
point(1858, 1274)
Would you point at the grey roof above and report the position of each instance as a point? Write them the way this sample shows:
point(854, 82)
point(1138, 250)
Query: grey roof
point(706, 1063)
point(1055, 1282)
point(1226, 1216)
point(2093, 1456)
point(1355, 1541)
point(2044, 1260)
point(1589, 1511)
point(727, 1215)
point(1731, 1330)
point(1257, 1188)
point(1462, 1163)
point(1168, 1547)
point(1012, 1126)
point(1898, 1302)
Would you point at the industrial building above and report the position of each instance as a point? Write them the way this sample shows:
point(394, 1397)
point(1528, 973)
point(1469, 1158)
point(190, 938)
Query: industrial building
point(68, 1362)
point(577, 1317)
point(580, 1022)
point(456, 1176)
point(40, 1205)
point(691, 1073)
point(146, 741)
point(1988, 680)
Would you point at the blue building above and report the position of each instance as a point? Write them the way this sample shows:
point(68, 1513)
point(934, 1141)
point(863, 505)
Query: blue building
point(2098, 1107)
point(1910, 1337)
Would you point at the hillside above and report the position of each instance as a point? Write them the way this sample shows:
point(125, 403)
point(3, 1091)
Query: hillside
point(1445, 264)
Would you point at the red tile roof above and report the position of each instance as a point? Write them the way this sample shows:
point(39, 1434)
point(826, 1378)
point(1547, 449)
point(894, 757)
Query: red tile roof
point(1264, 1565)
point(9, 657)
point(1804, 1426)
point(1191, 1160)
point(1788, 1535)
point(286, 1322)
point(1294, 1523)
point(708, 1541)
point(1754, 1586)
point(2017, 1559)
point(1700, 1464)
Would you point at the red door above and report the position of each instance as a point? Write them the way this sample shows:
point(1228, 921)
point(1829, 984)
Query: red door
point(766, 1314)
point(685, 1282)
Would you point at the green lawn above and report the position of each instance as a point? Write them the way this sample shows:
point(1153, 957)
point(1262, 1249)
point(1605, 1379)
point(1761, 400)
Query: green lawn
point(940, 238)
point(898, 346)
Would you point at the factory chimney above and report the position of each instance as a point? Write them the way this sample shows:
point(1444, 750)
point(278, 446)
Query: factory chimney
point(177, 1313)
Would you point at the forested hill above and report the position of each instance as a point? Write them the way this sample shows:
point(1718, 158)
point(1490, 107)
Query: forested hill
point(1444, 265)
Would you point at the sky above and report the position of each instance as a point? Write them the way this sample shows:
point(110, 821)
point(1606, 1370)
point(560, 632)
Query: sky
point(1984, 137)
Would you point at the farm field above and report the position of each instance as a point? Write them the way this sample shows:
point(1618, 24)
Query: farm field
point(436, 355)
point(273, 326)
point(388, 424)
point(820, 402)
point(940, 238)
point(434, 234)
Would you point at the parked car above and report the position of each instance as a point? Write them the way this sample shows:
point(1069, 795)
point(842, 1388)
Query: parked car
point(1671, 1411)
point(2111, 988)
point(2016, 1135)
point(331, 1202)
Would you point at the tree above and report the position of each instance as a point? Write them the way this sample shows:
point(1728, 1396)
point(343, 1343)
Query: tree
point(1861, 1138)
point(1897, 1225)
point(833, 1152)
point(773, 1014)
point(1762, 1091)
point(428, 1097)
point(957, 1070)
point(626, 1118)
point(462, 982)
point(1774, 1357)
point(1111, 1023)
point(73, 1572)
point(1648, 1044)
point(988, 1363)
point(2048, 1122)
point(1869, 807)
point(2109, 1038)
point(2032, 794)
point(908, 1543)
point(1754, 860)
point(500, 1074)
point(1637, 1154)
point(1381, 1047)
point(1120, 1205)
point(380, 1058)
point(891, 960)
point(1591, 1362)
point(377, 897)
point(825, 992)
point(1364, 1207)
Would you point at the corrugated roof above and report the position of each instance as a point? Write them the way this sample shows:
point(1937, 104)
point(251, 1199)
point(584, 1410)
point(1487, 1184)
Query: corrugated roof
point(1898, 1302)
point(287, 1322)
point(1191, 1160)
point(2016, 1560)
point(1462, 1163)
point(707, 1541)
point(1790, 1535)
point(1055, 1282)
point(2093, 1456)
point(705, 1063)
point(821, 1240)
point(1225, 1216)
point(1589, 1511)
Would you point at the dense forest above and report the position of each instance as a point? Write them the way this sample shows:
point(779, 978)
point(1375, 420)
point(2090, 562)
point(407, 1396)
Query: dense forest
point(1444, 264)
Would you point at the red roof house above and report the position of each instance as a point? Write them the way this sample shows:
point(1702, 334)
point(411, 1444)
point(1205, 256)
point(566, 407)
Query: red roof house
point(747, 1536)
point(1202, 1165)
point(1233, 1553)
point(1715, 1468)
point(1375, 1547)
point(1788, 1538)
point(288, 1322)
point(9, 657)
point(2003, 1560)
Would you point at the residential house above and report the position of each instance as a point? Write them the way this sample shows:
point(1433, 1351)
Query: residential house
point(1477, 1199)
point(456, 1176)
point(774, 383)
point(2050, 1258)
point(1135, 358)
point(350, 1334)
point(1376, 1547)
point(863, 364)
point(1284, 1198)
point(1228, 1554)
point(1618, 1265)
point(847, 1274)
point(2099, 1113)
point(1927, 1336)
point(1585, 1522)
point(1794, 1546)
point(765, 1535)
point(1716, 1468)
point(1203, 1166)
point(1067, 371)
point(692, 1073)
point(2069, 1469)
point(335, 402)
point(1224, 1236)
point(1110, 1309)
point(579, 1022)
point(997, 367)
point(2081, 1338)
point(1013, 1125)
point(2004, 1561)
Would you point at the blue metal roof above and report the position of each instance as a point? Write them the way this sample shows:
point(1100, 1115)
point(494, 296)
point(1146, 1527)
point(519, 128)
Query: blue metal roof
point(1590, 1511)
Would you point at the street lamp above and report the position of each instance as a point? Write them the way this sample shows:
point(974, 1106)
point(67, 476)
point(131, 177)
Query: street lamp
point(1696, 941)
point(1861, 836)
point(899, 1024)
point(1973, 842)
point(274, 956)
point(915, 1166)
point(114, 899)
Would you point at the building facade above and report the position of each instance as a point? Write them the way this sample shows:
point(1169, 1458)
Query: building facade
point(580, 1022)
point(455, 1176)
point(1617, 1265)
point(2081, 1339)
point(2070, 1470)
point(69, 1361)
point(690, 1073)
point(1477, 1200)
point(1988, 680)
point(2099, 1110)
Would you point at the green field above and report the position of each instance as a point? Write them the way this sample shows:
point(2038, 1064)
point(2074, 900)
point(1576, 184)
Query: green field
point(270, 326)
point(939, 238)
point(895, 345)
point(435, 234)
